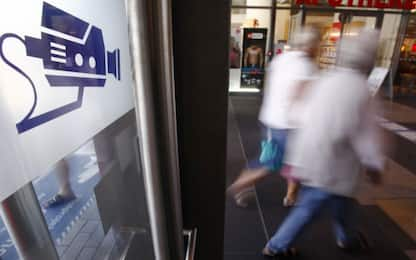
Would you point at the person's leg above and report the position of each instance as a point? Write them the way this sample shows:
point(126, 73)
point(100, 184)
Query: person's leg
point(310, 202)
point(281, 136)
point(62, 175)
point(346, 234)
point(251, 175)
point(65, 193)
point(247, 178)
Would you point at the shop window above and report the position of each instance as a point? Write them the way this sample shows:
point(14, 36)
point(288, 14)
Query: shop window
point(330, 30)
point(388, 38)
point(251, 2)
point(404, 83)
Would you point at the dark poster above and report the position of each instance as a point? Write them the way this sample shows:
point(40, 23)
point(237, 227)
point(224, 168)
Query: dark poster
point(254, 45)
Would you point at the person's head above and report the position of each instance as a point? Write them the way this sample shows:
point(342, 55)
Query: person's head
point(307, 39)
point(358, 52)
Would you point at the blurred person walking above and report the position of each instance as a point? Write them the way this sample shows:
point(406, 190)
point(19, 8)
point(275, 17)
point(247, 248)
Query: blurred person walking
point(287, 78)
point(338, 136)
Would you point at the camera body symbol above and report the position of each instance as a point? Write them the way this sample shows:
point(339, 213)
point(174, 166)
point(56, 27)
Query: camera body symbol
point(73, 55)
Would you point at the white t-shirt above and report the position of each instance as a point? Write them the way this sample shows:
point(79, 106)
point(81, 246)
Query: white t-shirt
point(338, 134)
point(284, 74)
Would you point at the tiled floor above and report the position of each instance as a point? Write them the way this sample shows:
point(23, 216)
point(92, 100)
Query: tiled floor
point(84, 238)
point(398, 182)
point(403, 212)
point(397, 113)
point(397, 197)
point(248, 229)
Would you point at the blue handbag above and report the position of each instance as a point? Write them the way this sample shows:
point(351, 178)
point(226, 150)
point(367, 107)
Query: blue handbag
point(271, 153)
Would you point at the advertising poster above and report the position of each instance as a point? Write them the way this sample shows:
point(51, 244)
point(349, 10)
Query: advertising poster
point(254, 45)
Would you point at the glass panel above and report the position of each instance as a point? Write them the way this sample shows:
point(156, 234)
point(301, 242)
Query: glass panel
point(330, 29)
point(353, 5)
point(404, 83)
point(241, 19)
point(93, 200)
point(357, 23)
point(283, 28)
point(81, 184)
point(7, 248)
point(285, 3)
point(252, 2)
point(388, 38)
point(90, 193)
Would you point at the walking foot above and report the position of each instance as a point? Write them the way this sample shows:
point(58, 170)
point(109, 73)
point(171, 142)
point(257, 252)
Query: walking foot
point(360, 244)
point(288, 254)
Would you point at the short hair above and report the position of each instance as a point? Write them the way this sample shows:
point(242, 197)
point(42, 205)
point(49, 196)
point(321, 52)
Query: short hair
point(307, 37)
point(359, 51)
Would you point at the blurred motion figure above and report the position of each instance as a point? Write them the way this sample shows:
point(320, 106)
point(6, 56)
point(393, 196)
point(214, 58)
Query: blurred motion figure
point(288, 75)
point(338, 136)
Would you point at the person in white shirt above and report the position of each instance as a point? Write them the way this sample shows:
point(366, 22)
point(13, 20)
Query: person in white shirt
point(287, 77)
point(337, 137)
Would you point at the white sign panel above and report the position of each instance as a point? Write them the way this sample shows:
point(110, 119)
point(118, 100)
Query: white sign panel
point(64, 76)
point(376, 79)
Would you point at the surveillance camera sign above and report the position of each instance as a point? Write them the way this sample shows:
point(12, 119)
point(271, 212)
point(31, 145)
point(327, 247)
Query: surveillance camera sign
point(64, 76)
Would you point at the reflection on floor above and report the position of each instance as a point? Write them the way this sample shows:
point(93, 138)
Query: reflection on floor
point(75, 226)
point(247, 230)
point(403, 212)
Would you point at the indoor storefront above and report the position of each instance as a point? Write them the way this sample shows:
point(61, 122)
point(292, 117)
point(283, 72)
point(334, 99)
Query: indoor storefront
point(278, 20)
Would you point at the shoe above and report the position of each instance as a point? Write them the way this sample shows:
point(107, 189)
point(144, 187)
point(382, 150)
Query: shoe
point(267, 252)
point(243, 198)
point(58, 200)
point(359, 244)
point(288, 254)
point(287, 202)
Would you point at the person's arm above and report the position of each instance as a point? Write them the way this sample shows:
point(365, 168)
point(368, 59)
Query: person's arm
point(367, 144)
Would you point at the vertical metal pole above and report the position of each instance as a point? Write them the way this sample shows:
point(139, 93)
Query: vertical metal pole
point(24, 220)
point(150, 43)
point(140, 49)
point(163, 77)
point(303, 10)
point(272, 29)
point(379, 21)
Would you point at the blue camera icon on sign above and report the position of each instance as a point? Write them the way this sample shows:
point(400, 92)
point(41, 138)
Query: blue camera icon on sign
point(73, 54)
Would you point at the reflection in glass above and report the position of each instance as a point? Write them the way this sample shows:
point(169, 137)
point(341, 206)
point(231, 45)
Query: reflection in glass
point(93, 200)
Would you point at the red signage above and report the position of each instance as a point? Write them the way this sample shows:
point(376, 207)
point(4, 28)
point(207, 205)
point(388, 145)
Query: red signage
point(335, 32)
point(394, 4)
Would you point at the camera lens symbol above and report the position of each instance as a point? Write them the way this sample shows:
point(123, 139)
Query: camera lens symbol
point(79, 60)
point(91, 62)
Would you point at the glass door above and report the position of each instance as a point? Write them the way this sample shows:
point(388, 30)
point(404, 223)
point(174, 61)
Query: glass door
point(79, 168)
point(335, 25)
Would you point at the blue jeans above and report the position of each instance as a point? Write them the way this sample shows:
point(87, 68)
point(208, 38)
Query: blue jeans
point(311, 201)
